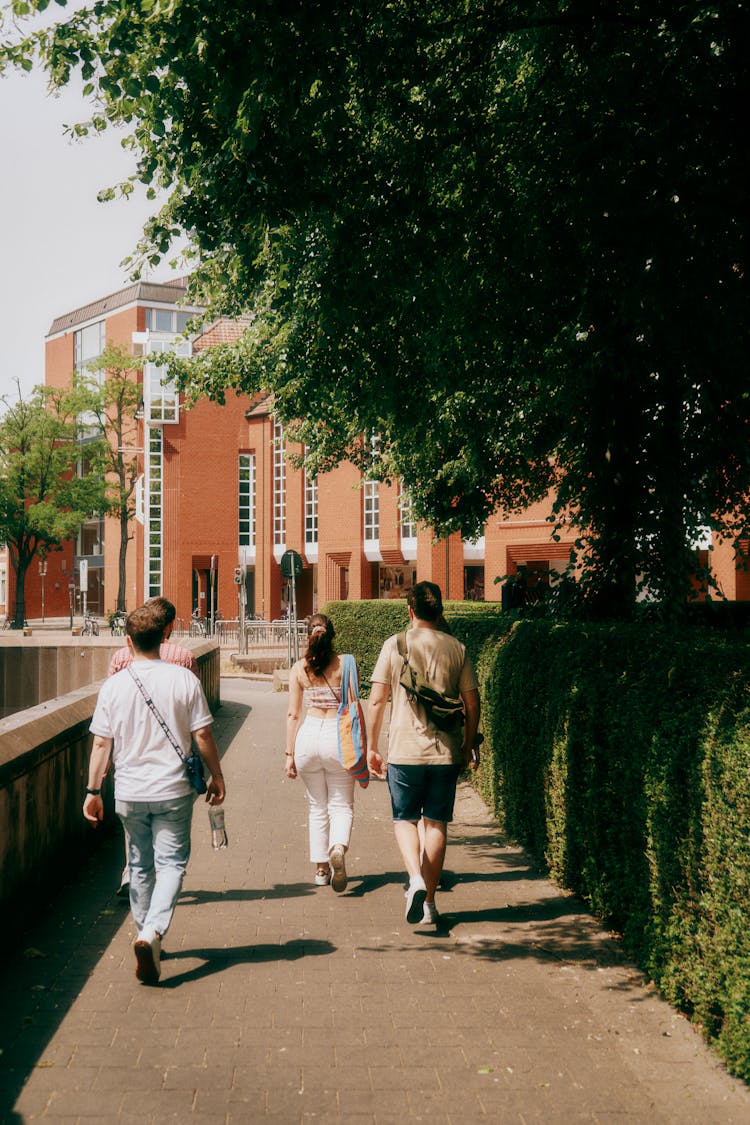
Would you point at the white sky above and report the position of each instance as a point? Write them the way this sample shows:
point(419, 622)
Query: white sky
point(59, 247)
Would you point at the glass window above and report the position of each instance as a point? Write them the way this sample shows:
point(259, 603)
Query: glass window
point(311, 509)
point(372, 510)
point(153, 503)
point(246, 509)
point(88, 344)
point(279, 485)
point(160, 396)
point(172, 321)
point(408, 525)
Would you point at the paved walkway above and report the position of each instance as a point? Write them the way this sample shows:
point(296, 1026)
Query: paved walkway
point(285, 1001)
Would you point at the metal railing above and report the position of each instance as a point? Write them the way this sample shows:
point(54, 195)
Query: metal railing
point(258, 634)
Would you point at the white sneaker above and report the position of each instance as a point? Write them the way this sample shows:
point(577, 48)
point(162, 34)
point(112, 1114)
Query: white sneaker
point(147, 948)
point(322, 878)
point(338, 879)
point(430, 916)
point(415, 896)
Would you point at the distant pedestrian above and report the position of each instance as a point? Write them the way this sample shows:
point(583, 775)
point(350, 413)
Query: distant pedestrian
point(173, 654)
point(423, 761)
point(312, 752)
point(153, 796)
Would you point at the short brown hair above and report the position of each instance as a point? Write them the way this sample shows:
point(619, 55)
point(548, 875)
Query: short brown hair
point(145, 627)
point(164, 607)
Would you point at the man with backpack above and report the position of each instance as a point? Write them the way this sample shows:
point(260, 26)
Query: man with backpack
point(434, 717)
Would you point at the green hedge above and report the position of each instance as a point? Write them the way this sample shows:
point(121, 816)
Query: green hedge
point(621, 756)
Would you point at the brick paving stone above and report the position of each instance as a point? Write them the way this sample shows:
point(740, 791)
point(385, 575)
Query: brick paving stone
point(285, 1002)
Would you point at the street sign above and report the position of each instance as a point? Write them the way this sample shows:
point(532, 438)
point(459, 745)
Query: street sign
point(83, 571)
point(291, 564)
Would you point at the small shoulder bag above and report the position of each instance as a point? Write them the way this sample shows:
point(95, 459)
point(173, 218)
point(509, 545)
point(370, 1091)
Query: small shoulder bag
point(193, 763)
point(443, 711)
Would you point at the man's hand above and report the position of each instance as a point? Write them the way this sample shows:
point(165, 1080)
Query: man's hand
point(216, 791)
point(93, 809)
point(375, 764)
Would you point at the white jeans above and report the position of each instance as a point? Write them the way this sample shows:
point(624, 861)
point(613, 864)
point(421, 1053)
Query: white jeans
point(330, 789)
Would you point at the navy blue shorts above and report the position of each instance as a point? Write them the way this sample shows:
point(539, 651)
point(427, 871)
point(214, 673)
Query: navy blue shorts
point(418, 791)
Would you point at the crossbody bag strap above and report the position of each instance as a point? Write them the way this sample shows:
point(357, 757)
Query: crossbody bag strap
point(157, 714)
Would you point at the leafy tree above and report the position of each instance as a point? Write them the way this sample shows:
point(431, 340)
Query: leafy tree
point(114, 397)
point(510, 238)
point(44, 498)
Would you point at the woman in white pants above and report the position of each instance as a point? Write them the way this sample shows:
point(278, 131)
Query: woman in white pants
point(312, 752)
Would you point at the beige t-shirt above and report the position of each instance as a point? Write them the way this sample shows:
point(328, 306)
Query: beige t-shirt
point(412, 739)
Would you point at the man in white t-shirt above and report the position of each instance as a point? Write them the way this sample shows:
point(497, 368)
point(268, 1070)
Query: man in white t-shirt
point(173, 654)
point(153, 796)
point(423, 761)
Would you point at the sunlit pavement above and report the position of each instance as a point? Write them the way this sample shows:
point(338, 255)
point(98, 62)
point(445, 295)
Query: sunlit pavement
point(283, 1000)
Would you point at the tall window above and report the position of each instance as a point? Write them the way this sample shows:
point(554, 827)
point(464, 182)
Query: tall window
point(406, 510)
point(88, 344)
point(372, 511)
point(246, 513)
point(160, 396)
point(279, 485)
point(153, 521)
point(311, 510)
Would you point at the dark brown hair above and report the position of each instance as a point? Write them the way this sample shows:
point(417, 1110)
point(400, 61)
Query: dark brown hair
point(320, 634)
point(426, 600)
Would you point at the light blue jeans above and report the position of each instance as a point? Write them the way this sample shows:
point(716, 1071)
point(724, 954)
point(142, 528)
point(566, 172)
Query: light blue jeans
point(158, 852)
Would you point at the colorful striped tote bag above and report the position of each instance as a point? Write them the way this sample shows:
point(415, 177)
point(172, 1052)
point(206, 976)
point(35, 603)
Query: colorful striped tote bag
point(351, 721)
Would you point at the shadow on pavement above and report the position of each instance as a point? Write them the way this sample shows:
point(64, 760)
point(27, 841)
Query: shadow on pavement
point(216, 960)
point(52, 962)
point(278, 890)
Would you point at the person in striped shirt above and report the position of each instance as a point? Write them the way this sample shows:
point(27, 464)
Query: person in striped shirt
point(172, 653)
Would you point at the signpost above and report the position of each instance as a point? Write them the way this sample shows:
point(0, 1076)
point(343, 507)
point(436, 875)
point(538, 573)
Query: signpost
point(83, 583)
point(43, 575)
point(212, 616)
point(71, 597)
point(291, 568)
point(239, 577)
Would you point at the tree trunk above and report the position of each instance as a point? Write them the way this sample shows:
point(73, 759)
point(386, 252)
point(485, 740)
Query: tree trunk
point(21, 568)
point(123, 555)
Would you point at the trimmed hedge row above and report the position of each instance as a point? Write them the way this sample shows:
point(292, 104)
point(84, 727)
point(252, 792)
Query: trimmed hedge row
point(621, 756)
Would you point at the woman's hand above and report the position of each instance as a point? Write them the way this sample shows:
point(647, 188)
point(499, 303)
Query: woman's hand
point(290, 768)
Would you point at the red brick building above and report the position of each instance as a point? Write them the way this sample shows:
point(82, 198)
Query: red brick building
point(217, 485)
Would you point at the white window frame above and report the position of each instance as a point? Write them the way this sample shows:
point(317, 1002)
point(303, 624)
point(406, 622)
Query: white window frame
point(246, 502)
point(371, 520)
point(311, 518)
point(279, 491)
point(407, 525)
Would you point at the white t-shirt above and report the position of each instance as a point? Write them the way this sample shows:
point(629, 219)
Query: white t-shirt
point(147, 766)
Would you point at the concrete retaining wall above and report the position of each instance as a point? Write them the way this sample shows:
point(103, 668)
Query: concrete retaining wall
point(44, 752)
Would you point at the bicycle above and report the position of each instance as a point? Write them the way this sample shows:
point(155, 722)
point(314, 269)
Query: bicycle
point(117, 625)
point(198, 626)
point(90, 627)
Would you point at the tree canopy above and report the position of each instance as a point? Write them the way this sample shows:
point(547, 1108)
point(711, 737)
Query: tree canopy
point(49, 483)
point(114, 392)
point(509, 238)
